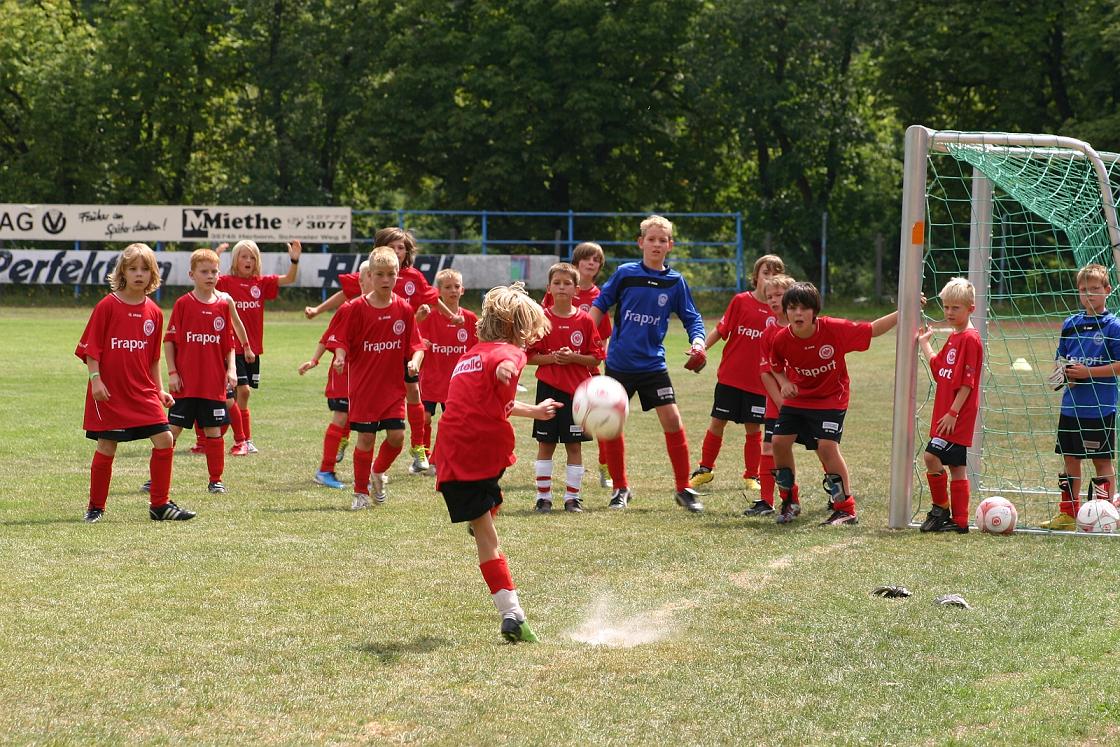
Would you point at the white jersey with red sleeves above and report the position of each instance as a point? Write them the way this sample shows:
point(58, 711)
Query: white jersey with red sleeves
point(413, 287)
point(475, 439)
point(958, 364)
point(125, 340)
point(816, 364)
point(378, 343)
point(766, 345)
point(742, 325)
point(445, 342)
point(203, 336)
point(249, 296)
point(577, 333)
point(583, 299)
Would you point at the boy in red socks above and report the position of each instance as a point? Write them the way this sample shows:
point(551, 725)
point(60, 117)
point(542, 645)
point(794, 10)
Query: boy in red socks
point(475, 442)
point(124, 397)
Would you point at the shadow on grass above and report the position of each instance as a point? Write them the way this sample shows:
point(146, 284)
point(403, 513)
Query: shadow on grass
point(307, 509)
point(41, 522)
point(390, 652)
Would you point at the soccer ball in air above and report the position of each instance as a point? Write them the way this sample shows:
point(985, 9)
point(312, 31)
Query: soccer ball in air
point(1098, 516)
point(996, 515)
point(600, 407)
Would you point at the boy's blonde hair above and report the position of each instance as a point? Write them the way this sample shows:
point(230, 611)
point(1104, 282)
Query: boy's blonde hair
point(135, 253)
point(198, 256)
point(509, 315)
point(588, 250)
point(567, 269)
point(448, 273)
point(382, 256)
point(773, 261)
point(1094, 272)
point(780, 282)
point(958, 290)
point(656, 220)
point(389, 234)
point(245, 246)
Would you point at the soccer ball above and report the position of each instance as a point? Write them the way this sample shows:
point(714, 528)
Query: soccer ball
point(600, 407)
point(1098, 516)
point(996, 515)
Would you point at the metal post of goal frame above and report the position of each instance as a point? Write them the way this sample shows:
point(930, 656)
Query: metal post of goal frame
point(979, 261)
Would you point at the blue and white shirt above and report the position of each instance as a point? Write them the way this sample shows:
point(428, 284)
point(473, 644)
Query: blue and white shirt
point(645, 298)
point(1091, 341)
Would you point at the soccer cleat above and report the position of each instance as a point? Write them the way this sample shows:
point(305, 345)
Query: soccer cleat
point(170, 512)
point(620, 498)
point(328, 480)
point(341, 450)
point(377, 487)
point(216, 487)
point(544, 505)
point(419, 460)
point(840, 518)
point(517, 631)
point(1060, 523)
point(937, 517)
point(146, 487)
point(198, 449)
point(239, 449)
point(760, 508)
point(952, 526)
point(700, 476)
point(361, 500)
point(93, 515)
point(750, 483)
point(605, 480)
point(573, 506)
point(690, 500)
point(788, 512)
point(250, 448)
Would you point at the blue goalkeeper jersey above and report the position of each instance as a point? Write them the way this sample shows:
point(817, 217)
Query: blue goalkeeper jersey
point(1092, 341)
point(645, 298)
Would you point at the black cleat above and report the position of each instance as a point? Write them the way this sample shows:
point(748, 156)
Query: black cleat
point(216, 487)
point(544, 506)
point(689, 499)
point(937, 517)
point(93, 515)
point(517, 631)
point(146, 487)
point(760, 508)
point(573, 506)
point(951, 526)
point(620, 498)
point(170, 512)
point(789, 511)
point(840, 518)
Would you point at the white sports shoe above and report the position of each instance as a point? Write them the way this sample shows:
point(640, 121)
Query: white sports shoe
point(377, 487)
point(251, 448)
point(361, 500)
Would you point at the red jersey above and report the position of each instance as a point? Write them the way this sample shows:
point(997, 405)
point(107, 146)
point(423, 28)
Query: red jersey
point(766, 345)
point(351, 287)
point(583, 299)
point(742, 325)
point(249, 295)
point(958, 364)
point(203, 336)
point(124, 339)
point(576, 332)
point(413, 287)
point(816, 365)
point(338, 384)
point(445, 342)
point(378, 343)
point(475, 438)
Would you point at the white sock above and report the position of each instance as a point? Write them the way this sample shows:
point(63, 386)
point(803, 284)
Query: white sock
point(574, 475)
point(543, 469)
point(508, 605)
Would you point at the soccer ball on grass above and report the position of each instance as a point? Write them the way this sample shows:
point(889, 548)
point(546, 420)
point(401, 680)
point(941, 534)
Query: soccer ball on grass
point(600, 407)
point(996, 515)
point(1098, 516)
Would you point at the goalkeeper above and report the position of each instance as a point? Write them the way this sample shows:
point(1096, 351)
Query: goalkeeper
point(1088, 361)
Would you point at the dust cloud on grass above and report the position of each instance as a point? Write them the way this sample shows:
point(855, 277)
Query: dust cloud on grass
point(606, 624)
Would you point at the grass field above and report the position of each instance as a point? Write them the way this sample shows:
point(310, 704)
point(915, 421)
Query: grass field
point(278, 616)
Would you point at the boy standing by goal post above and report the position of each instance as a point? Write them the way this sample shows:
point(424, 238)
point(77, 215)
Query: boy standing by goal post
point(956, 370)
point(1088, 361)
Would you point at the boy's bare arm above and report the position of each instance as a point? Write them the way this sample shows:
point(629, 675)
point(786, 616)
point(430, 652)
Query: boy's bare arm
point(596, 315)
point(542, 359)
point(713, 337)
point(884, 324)
point(239, 330)
point(923, 341)
point(294, 250)
point(330, 304)
point(948, 421)
point(772, 387)
point(314, 361)
point(415, 362)
point(174, 383)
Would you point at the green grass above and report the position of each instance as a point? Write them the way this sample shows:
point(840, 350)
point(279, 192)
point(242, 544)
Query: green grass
point(278, 616)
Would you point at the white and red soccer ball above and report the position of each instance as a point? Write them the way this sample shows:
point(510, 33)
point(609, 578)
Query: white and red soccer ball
point(1098, 516)
point(996, 515)
point(600, 407)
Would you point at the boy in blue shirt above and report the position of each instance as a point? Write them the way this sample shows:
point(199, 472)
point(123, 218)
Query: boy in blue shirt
point(645, 293)
point(1088, 361)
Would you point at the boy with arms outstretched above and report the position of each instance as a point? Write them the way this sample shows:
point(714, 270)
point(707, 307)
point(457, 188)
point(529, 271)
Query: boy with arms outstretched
point(645, 293)
point(956, 371)
point(1088, 363)
point(475, 442)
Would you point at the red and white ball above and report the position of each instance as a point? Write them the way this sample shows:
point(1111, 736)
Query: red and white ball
point(996, 515)
point(1098, 516)
point(600, 407)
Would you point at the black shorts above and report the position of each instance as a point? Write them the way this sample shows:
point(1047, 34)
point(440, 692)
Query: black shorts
point(654, 388)
point(738, 405)
point(950, 454)
point(390, 424)
point(469, 499)
point(430, 407)
point(248, 374)
point(338, 404)
point(808, 442)
point(1086, 438)
point(819, 425)
point(409, 378)
point(129, 434)
point(208, 413)
point(561, 429)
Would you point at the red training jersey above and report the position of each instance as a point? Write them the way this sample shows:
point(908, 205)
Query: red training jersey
point(742, 325)
point(338, 384)
point(576, 332)
point(249, 295)
point(351, 287)
point(816, 365)
point(378, 343)
point(583, 299)
point(475, 439)
point(958, 364)
point(124, 339)
point(445, 342)
point(203, 336)
point(766, 345)
point(413, 287)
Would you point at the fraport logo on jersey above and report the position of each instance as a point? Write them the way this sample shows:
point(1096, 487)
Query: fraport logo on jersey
point(448, 349)
point(117, 343)
point(381, 346)
point(747, 332)
point(219, 323)
point(951, 356)
point(398, 327)
point(826, 352)
point(203, 338)
point(639, 319)
point(461, 336)
point(577, 337)
point(468, 365)
point(814, 372)
point(149, 327)
point(662, 299)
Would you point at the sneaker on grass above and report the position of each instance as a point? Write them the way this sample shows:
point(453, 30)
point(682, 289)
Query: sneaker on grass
point(701, 476)
point(839, 519)
point(93, 515)
point(517, 631)
point(216, 487)
point(759, 508)
point(605, 480)
point(937, 517)
point(250, 448)
point(788, 512)
point(620, 498)
point(1060, 523)
point(689, 499)
point(170, 512)
point(241, 448)
point(573, 506)
point(544, 506)
point(146, 487)
point(328, 480)
point(341, 450)
point(361, 500)
point(750, 483)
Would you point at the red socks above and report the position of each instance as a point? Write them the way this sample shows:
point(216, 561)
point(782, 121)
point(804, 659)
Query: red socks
point(752, 453)
point(215, 458)
point(959, 491)
point(159, 469)
point(939, 488)
point(709, 452)
point(497, 575)
point(331, 440)
point(415, 415)
point(616, 460)
point(677, 446)
point(848, 505)
point(235, 422)
point(362, 462)
point(766, 477)
point(100, 475)
point(385, 456)
point(245, 427)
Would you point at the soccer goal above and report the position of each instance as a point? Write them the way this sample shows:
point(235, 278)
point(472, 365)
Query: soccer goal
point(1017, 215)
